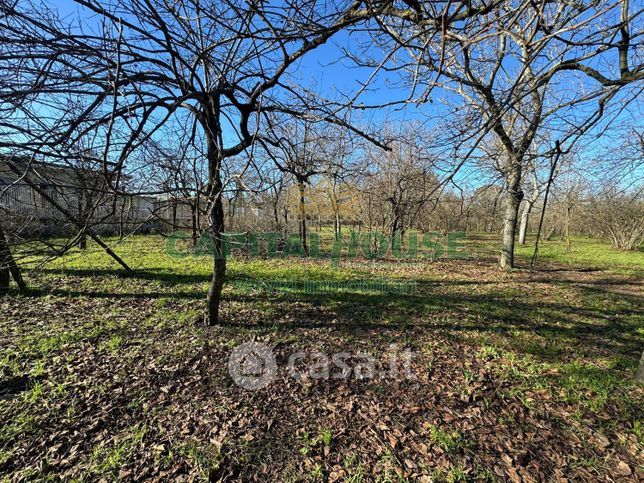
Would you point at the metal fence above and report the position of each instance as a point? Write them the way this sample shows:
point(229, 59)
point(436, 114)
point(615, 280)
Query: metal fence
point(28, 211)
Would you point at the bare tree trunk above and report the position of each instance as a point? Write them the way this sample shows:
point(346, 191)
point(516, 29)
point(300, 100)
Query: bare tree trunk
point(82, 240)
point(639, 378)
point(125, 216)
point(512, 203)
point(193, 209)
point(4, 280)
point(8, 266)
point(174, 215)
point(198, 210)
point(300, 186)
point(551, 232)
point(567, 228)
point(276, 216)
point(216, 211)
point(219, 268)
point(525, 218)
point(318, 227)
point(4, 267)
point(232, 207)
point(553, 168)
point(394, 229)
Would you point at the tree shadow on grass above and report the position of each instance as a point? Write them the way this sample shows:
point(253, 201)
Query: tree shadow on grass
point(546, 330)
point(183, 295)
point(166, 277)
point(558, 327)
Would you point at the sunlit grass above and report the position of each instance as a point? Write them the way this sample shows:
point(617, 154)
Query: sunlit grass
point(566, 342)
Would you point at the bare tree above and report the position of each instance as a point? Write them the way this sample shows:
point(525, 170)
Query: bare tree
point(401, 182)
point(339, 166)
point(619, 216)
point(301, 151)
point(511, 64)
point(538, 177)
point(146, 64)
point(178, 169)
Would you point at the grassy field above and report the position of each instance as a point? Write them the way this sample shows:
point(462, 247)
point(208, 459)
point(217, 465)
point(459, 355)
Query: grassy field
point(522, 375)
point(585, 253)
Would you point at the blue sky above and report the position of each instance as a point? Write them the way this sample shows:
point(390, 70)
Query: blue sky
point(333, 76)
point(322, 67)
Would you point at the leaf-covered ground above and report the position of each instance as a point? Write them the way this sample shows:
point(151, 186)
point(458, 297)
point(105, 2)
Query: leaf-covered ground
point(517, 376)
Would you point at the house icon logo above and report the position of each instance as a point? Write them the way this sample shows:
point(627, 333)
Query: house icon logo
point(252, 365)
